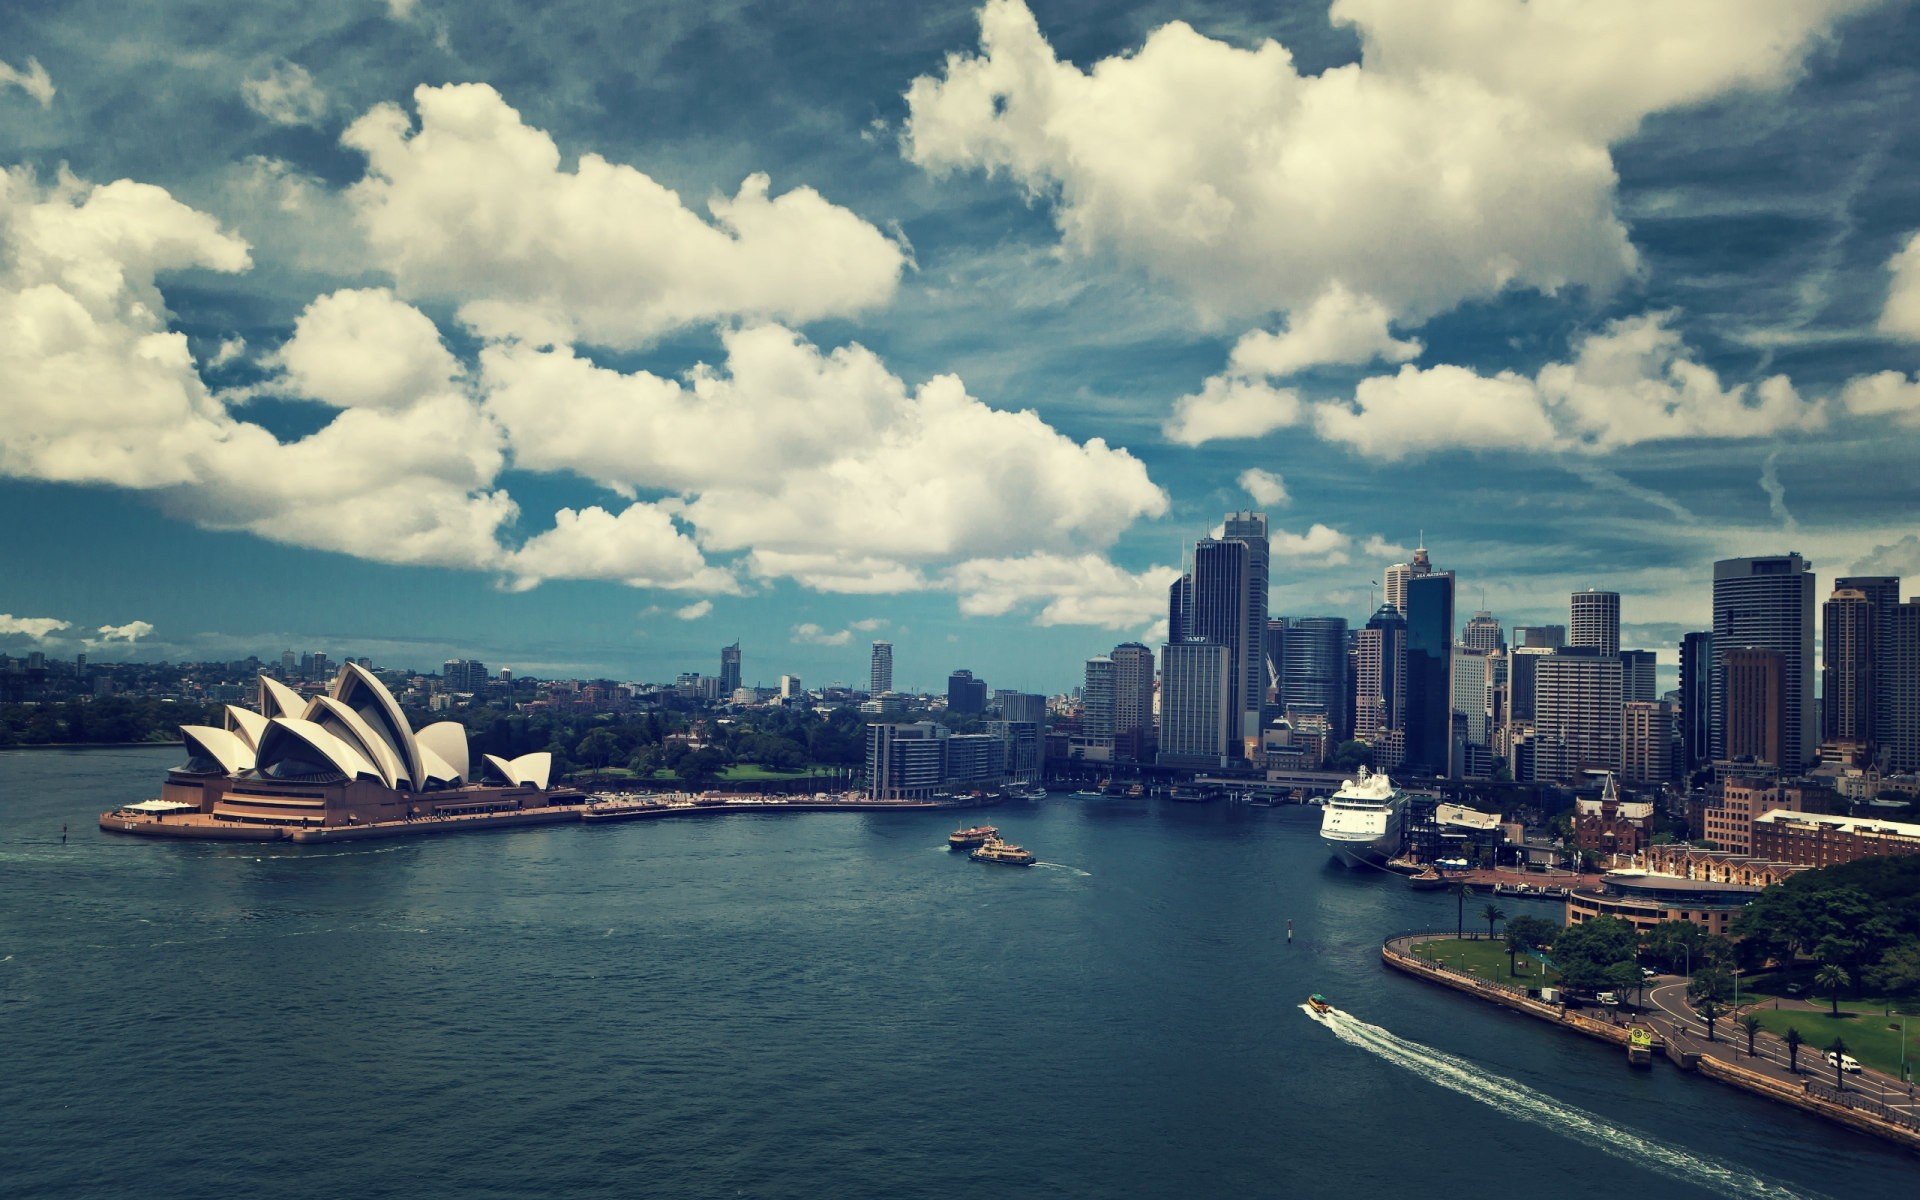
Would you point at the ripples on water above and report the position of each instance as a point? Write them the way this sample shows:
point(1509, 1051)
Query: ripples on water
point(799, 1005)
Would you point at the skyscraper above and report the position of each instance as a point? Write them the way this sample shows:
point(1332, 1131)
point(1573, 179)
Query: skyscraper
point(1221, 598)
point(1276, 656)
point(1638, 675)
point(1313, 671)
point(1755, 704)
point(1576, 713)
point(1180, 608)
point(1883, 594)
point(1768, 602)
point(1483, 633)
point(729, 668)
point(1469, 691)
point(1847, 684)
point(1646, 742)
point(1380, 676)
point(1250, 529)
point(1429, 677)
point(965, 694)
point(1025, 708)
point(1899, 716)
point(1096, 698)
point(1539, 637)
point(1133, 736)
point(1696, 699)
point(880, 673)
point(1197, 708)
point(1399, 573)
point(1596, 621)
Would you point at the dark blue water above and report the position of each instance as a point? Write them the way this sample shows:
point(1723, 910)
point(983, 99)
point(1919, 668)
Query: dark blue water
point(807, 1005)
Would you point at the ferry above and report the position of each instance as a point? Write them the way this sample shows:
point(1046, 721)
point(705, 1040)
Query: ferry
point(1319, 1004)
point(997, 851)
point(966, 839)
point(1038, 793)
point(1365, 821)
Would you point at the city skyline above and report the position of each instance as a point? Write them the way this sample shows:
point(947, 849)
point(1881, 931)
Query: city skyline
point(1504, 412)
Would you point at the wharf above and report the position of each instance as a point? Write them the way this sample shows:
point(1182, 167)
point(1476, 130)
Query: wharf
point(640, 810)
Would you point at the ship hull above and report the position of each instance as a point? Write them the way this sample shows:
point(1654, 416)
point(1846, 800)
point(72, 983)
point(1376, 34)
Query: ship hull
point(1364, 854)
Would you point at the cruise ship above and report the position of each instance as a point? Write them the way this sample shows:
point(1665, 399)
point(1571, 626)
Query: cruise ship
point(1366, 820)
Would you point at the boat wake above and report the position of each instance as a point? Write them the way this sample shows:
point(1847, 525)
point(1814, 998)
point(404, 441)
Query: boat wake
point(1518, 1100)
point(1064, 867)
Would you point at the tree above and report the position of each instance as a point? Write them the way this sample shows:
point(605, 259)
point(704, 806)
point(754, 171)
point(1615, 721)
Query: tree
point(1351, 756)
point(1838, 1050)
point(1585, 954)
point(1525, 934)
point(597, 748)
point(1460, 892)
point(1751, 1023)
point(1898, 974)
point(1623, 976)
point(1710, 983)
point(1710, 1010)
point(1674, 946)
point(1490, 914)
point(1793, 1041)
point(1830, 978)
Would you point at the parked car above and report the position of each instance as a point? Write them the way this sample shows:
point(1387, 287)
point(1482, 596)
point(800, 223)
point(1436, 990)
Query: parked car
point(1649, 973)
point(1607, 998)
point(1844, 1061)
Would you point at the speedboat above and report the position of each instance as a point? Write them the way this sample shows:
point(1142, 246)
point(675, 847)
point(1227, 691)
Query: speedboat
point(1319, 1004)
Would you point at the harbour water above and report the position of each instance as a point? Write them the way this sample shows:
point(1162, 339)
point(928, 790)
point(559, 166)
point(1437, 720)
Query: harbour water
point(796, 1005)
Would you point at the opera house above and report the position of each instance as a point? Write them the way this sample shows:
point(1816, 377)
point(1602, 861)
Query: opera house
point(338, 765)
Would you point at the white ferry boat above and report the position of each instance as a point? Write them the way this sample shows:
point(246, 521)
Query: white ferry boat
point(1366, 820)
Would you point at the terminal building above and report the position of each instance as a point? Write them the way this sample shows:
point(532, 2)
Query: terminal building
point(1644, 900)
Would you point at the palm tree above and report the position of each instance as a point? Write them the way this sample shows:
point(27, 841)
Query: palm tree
point(1831, 978)
point(1751, 1023)
point(1490, 914)
point(1793, 1040)
point(1839, 1052)
point(1710, 1011)
point(1460, 892)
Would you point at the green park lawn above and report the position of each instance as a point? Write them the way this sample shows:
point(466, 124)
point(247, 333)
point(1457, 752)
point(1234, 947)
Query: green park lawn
point(742, 773)
point(1863, 1028)
point(1488, 960)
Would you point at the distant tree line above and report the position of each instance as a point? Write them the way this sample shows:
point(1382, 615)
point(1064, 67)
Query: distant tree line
point(99, 721)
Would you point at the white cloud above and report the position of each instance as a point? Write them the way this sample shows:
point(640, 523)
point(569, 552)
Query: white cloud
point(1227, 407)
point(1337, 329)
point(286, 95)
point(229, 351)
point(129, 633)
point(1900, 557)
point(1322, 542)
point(809, 634)
point(869, 624)
point(37, 628)
point(475, 204)
point(34, 81)
point(1266, 488)
point(640, 547)
point(363, 348)
point(1467, 152)
point(694, 611)
point(1071, 590)
point(1886, 394)
point(1634, 381)
point(1901, 316)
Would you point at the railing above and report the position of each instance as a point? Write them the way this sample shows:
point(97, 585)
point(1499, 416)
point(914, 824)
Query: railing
point(1859, 1103)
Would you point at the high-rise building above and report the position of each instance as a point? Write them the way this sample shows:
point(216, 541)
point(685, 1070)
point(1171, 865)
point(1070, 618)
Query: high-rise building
point(1755, 705)
point(1429, 676)
point(905, 761)
point(1696, 699)
point(1883, 594)
point(1197, 708)
point(1133, 737)
point(1180, 607)
point(1399, 573)
point(1576, 713)
point(1847, 687)
point(1646, 741)
point(1276, 655)
point(464, 675)
point(729, 668)
point(790, 687)
point(1768, 602)
point(1250, 529)
point(1639, 672)
point(1898, 720)
point(1224, 594)
point(1024, 708)
point(1596, 621)
point(1313, 671)
point(965, 694)
point(289, 664)
point(1522, 670)
point(1380, 676)
point(1096, 698)
point(880, 673)
point(1483, 633)
point(1469, 676)
point(1539, 637)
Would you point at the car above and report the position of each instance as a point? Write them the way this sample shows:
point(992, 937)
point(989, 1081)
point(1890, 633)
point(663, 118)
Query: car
point(1794, 989)
point(1607, 998)
point(1649, 973)
point(1845, 1062)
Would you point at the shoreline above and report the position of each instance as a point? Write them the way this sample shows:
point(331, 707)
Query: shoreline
point(1679, 1047)
point(91, 745)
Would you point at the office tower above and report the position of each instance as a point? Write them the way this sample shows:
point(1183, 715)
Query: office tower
point(1847, 674)
point(1883, 594)
point(1755, 703)
point(80, 665)
point(1539, 637)
point(1380, 676)
point(1596, 621)
point(1638, 672)
point(1576, 713)
point(1250, 529)
point(1646, 741)
point(1429, 677)
point(463, 675)
point(1899, 716)
point(1313, 671)
point(1276, 653)
point(320, 667)
point(729, 668)
point(880, 673)
point(1399, 573)
point(1180, 607)
point(1197, 708)
point(905, 761)
point(1096, 698)
point(1696, 700)
point(1483, 633)
point(1023, 708)
point(789, 687)
point(1522, 668)
point(965, 694)
point(1768, 602)
point(1469, 692)
point(1132, 701)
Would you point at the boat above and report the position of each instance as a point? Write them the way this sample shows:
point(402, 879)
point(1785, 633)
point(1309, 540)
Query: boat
point(997, 851)
point(1428, 880)
point(1038, 793)
point(1137, 792)
point(1365, 821)
point(1640, 1047)
point(1319, 1004)
point(966, 839)
point(1189, 794)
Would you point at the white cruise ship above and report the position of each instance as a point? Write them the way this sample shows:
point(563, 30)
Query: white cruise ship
point(1366, 820)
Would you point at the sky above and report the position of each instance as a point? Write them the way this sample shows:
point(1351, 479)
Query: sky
point(586, 338)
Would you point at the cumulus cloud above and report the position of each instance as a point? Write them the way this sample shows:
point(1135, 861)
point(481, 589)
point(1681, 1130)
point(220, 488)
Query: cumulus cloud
point(34, 81)
point(1322, 542)
point(1887, 394)
point(37, 628)
point(475, 204)
point(809, 634)
point(641, 547)
point(1467, 151)
point(286, 95)
point(228, 352)
point(129, 633)
point(694, 611)
point(365, 348)
point(1633, 381)
point(868, 624)
point(1337, 329)
point(1901, 316)
point(1266, 488)
point(1069, 590)
point(1228, 407)
point(1900, 557)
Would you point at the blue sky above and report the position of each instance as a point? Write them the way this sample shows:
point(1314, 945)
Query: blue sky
point(423, 329)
